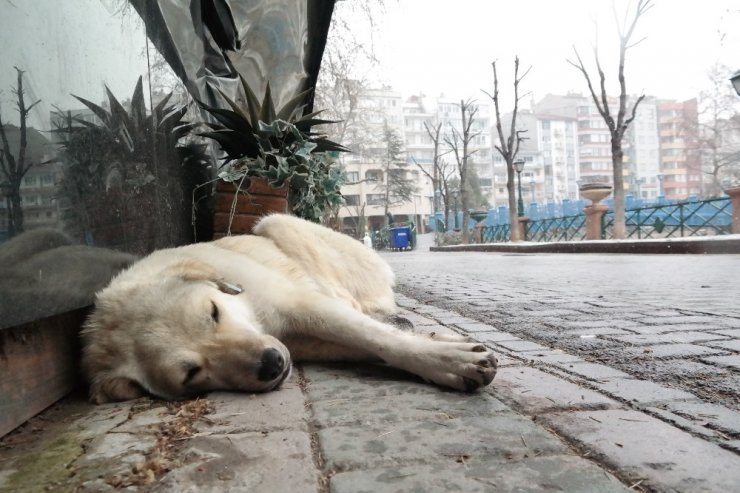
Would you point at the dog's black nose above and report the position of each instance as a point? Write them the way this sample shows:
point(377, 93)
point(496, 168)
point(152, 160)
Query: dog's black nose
point(272, 365)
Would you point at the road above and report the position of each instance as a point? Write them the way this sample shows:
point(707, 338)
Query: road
point(669, 319)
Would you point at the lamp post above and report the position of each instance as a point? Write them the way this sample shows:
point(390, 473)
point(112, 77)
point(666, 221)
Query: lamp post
point(519, 166)
point(454, 198)
point(735, 79)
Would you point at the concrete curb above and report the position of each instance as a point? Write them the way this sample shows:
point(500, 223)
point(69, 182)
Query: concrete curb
point(729, 244)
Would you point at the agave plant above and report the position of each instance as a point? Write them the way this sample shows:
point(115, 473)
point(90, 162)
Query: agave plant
point(259, 140)
point(139, 139)
point(132, 153)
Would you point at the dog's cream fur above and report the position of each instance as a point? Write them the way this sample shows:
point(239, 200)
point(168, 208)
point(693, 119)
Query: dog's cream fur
point(175, 324)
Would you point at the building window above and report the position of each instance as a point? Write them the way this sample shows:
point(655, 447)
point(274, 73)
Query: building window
point(352, 199)
point(374, 175)
point(353, 176)
point(375, 199)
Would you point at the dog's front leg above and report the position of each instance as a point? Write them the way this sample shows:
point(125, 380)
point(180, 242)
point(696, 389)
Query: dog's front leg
point(462, 366)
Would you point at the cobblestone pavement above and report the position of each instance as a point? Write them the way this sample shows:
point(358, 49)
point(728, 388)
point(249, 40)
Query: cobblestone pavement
point(556, 418)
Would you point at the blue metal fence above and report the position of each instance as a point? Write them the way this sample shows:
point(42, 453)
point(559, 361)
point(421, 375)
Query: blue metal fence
point(566, 221)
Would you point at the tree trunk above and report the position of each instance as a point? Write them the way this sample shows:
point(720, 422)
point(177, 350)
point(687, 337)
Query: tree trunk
point(465, 216)
point(618, 231)
point(513, 212)
point(15, 214)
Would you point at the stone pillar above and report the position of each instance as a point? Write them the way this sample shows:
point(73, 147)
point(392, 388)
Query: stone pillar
point(478, 232)
point(734, 194)
point(594, 213)
point(522, 224)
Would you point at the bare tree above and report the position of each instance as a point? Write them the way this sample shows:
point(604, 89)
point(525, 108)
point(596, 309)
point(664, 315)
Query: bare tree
point(459, 143)
point(719, 131)
point(347, 61)
point(441, 171)
point(509, 144)
point(396, 188)
point(14, 168)
point(618, 126)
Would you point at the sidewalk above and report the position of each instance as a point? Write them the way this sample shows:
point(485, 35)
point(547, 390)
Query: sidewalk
point(552, 420)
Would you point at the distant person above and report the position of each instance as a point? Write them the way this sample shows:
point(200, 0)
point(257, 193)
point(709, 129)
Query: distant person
point(367, 240)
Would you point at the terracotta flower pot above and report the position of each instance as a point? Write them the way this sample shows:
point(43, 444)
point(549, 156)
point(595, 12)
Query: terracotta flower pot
point(258, 199)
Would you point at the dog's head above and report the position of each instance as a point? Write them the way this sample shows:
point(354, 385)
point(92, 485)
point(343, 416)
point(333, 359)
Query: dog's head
point(180, 333)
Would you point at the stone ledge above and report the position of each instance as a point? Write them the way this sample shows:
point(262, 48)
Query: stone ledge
point(692, 245)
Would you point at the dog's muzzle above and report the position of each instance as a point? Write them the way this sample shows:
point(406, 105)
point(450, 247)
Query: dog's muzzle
point(273, 366)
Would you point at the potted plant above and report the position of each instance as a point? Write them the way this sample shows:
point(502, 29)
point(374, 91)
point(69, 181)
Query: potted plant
point(273, 161)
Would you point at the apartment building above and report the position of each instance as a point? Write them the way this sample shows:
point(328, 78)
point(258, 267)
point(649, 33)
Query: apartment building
point(680, 162)
point(642, 152)
point(364, 194)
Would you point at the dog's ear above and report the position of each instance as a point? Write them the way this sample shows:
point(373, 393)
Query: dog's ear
point(112, 389)
point(195, 270)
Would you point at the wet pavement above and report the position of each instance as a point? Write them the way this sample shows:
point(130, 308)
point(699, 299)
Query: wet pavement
point(617, 373)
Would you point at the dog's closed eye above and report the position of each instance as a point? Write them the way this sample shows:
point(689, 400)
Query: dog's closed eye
point(191, 372)
point(214, 312)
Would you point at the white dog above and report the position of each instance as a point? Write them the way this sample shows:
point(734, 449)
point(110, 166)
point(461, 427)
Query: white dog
point(232, 313)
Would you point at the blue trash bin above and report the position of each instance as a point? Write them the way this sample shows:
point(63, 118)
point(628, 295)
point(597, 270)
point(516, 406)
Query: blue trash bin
point(400, 238)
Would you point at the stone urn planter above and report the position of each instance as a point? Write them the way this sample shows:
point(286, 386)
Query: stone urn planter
point(595, 192)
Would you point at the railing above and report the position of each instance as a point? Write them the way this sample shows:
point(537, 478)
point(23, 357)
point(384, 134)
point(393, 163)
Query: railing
point(692, 218)
point(699, 218)
point(495, 234)
point(565, 228)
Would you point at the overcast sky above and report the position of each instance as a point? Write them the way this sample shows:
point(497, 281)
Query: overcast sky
point(447, 47)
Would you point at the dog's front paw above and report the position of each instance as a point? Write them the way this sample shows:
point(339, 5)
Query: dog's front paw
point(461, 366)
point(486, 367)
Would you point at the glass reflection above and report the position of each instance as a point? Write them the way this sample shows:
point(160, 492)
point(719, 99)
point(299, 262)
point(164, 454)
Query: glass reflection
point(96, 166)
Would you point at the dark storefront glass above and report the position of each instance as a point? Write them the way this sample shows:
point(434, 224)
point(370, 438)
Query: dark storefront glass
point(105, 164)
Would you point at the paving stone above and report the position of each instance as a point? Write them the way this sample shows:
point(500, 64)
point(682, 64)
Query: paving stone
point(331, 382)
point(672, 351)
point(477, 327)
point(598, 331)
point(697, 427)
point(451, 319)
point(376, 445)
point(439, 406)
point(550, 357)
point(663, 329)
point(681, 320)
point(254, 462)
point(711, 415)
point(668, 338)
point(733, 345)
point(593, 371)
point(552, 313)
point(494, 336)
point(556, 473)
point(731, 361)
point(642, 392)
point(728, 332)
point(521, 345)
point(238, 413)
point(644, 448)
point(535, 392)
point(610, 323)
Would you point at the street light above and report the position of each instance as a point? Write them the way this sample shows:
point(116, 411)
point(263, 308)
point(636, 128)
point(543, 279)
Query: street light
point(735, 79)
point(519, 166)
point(454, 198)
